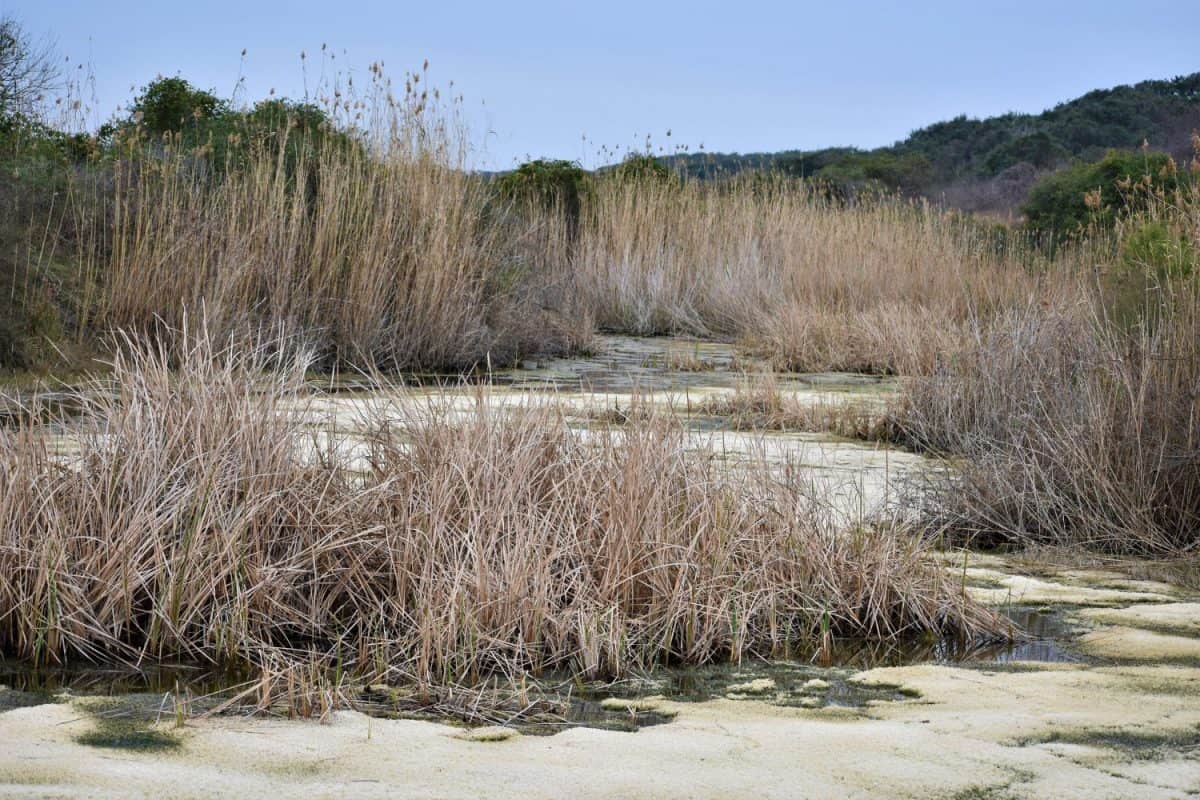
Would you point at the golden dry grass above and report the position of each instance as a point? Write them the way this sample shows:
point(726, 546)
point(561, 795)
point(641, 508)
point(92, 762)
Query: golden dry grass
point(757, 403)
point(199, 514)
point(1079, 423)
point(375, 247)
point(878, 285)
point(391, 254)
point(1071, 432)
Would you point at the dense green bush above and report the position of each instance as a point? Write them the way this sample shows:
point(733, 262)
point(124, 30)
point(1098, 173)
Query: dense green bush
point(303, 129)
point(550, 182)
point(1067, 202)
point(172, 105)
point(26, 144)
point(224, 136)
point(1154, 249)
point(909, 172)
point(642, 167)
point(1038, 149)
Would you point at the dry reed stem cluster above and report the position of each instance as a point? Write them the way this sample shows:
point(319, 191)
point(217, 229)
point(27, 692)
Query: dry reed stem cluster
point(879, 286)
point(199, 514)
point(1072, 432)
point(757, 403)
point(1079, 424)
point(386, 260)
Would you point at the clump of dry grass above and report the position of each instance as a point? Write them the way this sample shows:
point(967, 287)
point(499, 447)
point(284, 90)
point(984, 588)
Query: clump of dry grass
point(680, 359)
point(1079, 424)
point(200, 514)
point(1073, 432)
point(895, 338)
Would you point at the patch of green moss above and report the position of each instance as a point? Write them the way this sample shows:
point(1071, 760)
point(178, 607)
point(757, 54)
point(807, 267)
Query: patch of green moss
point(994, 791)
point(1139, 744)
point(15, 698)
point(1173, 686)
point(124, 724)
point(128, 737)
point(980, 792)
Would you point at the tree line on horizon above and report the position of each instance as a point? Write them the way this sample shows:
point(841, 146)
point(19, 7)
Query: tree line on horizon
point(989, 165)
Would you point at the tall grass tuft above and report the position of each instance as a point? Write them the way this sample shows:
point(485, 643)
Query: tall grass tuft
point(1069, 434)
point(198, 509)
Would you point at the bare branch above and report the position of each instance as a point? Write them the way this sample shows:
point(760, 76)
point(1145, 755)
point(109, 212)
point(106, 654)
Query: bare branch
point(29, 70)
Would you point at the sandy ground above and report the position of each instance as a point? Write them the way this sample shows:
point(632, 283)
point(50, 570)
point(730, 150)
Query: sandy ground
point(1127, 724)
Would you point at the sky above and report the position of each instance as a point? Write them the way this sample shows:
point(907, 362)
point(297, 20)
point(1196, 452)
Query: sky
point(581, 80)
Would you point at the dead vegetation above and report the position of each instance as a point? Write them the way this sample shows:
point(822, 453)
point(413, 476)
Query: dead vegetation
point(199, 514)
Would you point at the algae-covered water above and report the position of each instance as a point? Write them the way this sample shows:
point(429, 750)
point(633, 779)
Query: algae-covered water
point(676, 376)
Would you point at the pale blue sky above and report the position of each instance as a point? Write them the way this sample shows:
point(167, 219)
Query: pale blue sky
point(749, 76)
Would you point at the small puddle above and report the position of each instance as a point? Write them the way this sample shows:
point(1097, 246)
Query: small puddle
point(115, 681)
point(127, 709)
point(624, 365)
point(1046, 634)
point(627, 365)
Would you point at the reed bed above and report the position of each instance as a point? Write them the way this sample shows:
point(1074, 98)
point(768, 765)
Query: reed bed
point(378, 248)
point(1069, 432)
point(1077, 425)
point(197, 513)
point(877, 285)
point(383, 263)
point(366, 241)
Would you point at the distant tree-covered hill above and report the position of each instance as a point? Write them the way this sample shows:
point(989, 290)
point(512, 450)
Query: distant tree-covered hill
point(989, 164)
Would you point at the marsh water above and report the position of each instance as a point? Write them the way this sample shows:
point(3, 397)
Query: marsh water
point(803, 680)
point(623, 375)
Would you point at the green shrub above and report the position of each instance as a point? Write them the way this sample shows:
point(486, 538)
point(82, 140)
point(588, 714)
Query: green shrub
point(1038, 149)
point(850, 172)
point(550, 182)
point(1155, 250)
point(1071, 200)
point(642, 167)
point(1155, 262)
point(26, 143)
point(172, 105)
point(226, 137)
point(303, 130)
